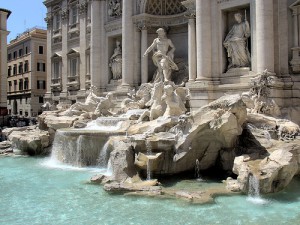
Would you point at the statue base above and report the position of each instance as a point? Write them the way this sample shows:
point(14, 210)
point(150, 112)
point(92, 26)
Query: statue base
point(114, 85)
point(237, 76)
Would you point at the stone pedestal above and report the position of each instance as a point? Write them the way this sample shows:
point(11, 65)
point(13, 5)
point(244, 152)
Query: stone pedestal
point(236, 76)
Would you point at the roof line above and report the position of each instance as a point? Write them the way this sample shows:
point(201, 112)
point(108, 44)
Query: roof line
point(6, 10)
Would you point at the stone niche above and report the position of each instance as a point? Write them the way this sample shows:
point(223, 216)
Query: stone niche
point(179, 36)
point(114, 55)
point(228, 21)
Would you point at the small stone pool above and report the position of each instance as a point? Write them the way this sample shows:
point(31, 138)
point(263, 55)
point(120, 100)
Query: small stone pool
point(34, 193)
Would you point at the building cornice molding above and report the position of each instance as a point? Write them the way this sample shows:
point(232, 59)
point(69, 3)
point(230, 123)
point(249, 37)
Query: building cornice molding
point(148, 20)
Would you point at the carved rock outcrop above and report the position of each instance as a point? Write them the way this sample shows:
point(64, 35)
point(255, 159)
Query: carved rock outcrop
point(31, 141)
point(270, 151)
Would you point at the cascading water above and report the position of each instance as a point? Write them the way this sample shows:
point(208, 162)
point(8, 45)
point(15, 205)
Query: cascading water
point(197, 170)
point(253, 191)
point(78, 150)
point(149, 153)
point(103, 157)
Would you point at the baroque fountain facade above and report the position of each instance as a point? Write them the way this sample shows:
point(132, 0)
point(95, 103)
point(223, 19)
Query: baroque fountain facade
point(170, 89)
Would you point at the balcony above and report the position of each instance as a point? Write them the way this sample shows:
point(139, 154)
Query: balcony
point(73, 82)
point(56, 84)
point(87, 81)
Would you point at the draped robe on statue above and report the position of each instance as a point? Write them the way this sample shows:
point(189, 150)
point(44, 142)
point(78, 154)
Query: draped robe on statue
point(236, 45)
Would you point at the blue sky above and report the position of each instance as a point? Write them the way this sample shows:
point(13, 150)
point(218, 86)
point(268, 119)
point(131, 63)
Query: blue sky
point(25, 14)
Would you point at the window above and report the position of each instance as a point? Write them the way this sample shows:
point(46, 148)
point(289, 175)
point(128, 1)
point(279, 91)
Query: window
point(9, 86)
point(26, 100)
point(15, 85)
point(57, 22)
point(26, 66)
point(20, 67)
point(15, 69)
point(15, 54)
point(41, 50)
point(41, 66)
point(26, 50)
point(41, 99)
point(9, 57)
point(9, 71)
point(26, 82)
point(41, 84)
point(73, 67)
point(21, 85)
point(21, 112)
point(73, 15)
point(56, 68)
point(20, 52)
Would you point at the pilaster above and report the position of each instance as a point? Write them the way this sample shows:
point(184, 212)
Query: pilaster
point(144, 46)
point(203, 40)
point(97, 43)
point(127, 43)
point(82, 9)
point(264, 35)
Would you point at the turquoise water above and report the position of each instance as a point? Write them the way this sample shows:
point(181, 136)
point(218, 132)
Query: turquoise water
point(32, 193)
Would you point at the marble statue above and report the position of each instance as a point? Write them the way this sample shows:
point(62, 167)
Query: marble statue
point(47, 106)
point(92, 104)
point(175, 105)
point(114, 8)
point(116, 62)
point(157, 106)
point(236, 43)
point(139, 99)
point(104, 106)
point(162, 57)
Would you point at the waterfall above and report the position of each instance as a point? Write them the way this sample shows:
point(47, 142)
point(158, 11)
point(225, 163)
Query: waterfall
point(253, 191)
point(253, 188)
point(149, 153)
point(109, 171)
point(78, 150)
point(103, 156)
point(197, 170)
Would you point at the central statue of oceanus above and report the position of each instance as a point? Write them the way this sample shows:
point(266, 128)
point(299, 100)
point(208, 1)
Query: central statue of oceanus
point(162, 57)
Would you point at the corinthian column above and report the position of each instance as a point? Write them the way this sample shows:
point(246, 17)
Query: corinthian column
point(203, 32)
point(264, 35)
point(295, 21)
point(191, 14)
point(144, 60)
point(97, 43)
point(192, 49)
point(127, 43)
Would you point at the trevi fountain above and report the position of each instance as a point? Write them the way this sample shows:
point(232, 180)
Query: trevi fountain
point(150, 158)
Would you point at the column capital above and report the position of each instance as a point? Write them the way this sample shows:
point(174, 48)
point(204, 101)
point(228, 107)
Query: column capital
point(143, 25)
point(48, 19)
point(64, 13)
point(295, 11)
point(191, 8)
point(82, 8)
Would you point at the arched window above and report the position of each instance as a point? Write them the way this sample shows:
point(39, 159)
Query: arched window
point(164, 7)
